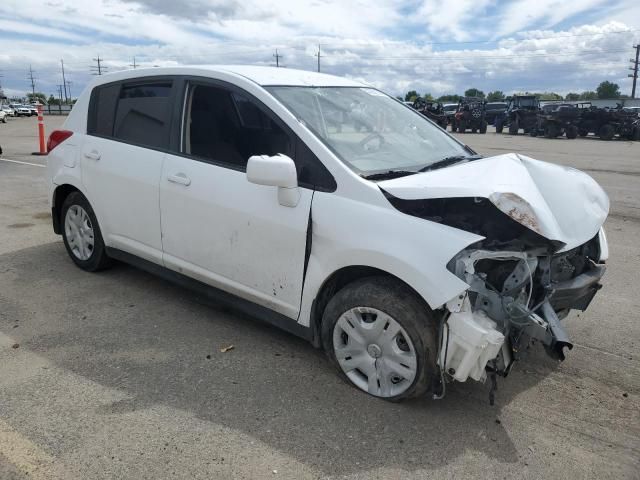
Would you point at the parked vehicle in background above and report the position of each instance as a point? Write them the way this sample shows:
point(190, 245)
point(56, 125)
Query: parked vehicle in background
point(493, 110)
point(607, 123)
point(522, 113)
point(21, 110)
point(9, 111)
point(379, 237)
point(635, 110)
point(557, 119)
point(33, 109)
point(470, 116)
point(449, 110)
point(432, 110)
point(3, 116)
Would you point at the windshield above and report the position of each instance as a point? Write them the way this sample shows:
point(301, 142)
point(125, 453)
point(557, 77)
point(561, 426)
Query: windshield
point(368, 130)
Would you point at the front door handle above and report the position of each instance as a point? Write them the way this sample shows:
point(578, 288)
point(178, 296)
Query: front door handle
point(93, 155)
point(180, 178)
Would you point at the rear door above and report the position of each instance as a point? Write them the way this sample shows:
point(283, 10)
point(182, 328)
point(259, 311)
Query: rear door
point(128, 132)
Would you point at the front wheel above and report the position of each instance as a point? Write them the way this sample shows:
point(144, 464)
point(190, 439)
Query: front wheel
point(81, 234)
point(381, 337)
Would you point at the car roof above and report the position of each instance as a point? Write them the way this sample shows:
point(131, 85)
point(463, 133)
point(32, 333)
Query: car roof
point(262, 75)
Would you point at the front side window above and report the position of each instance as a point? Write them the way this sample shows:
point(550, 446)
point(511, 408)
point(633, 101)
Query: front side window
point(368, 130)
point(228, 128)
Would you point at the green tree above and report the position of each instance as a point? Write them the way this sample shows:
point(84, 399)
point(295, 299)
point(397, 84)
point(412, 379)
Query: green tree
point(411, 95)
point(588, 95)
point(451, 98)
point(53, 100)
point(496, 96)
point(550, 96)
point(474, 92)
point(572, 96)
point(608, 89)
point(37, 97)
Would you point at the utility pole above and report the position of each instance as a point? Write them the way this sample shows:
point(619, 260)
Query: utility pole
point(33, 80)
point(69, 89)
point(277, 57)
point(634, 75)
point(318, 55)
point(134, 64)
point(60, 92)
point(97, 70)
point(64, 82)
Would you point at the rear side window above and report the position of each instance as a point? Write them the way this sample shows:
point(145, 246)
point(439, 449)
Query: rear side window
point(143, 114)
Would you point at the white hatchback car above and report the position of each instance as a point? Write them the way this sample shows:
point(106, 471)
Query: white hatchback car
point(333, 211)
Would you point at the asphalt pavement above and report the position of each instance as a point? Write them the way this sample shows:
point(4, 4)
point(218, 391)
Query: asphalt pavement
point(121, 375)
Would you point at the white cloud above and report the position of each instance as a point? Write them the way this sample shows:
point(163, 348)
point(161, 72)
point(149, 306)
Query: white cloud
point(378, 42)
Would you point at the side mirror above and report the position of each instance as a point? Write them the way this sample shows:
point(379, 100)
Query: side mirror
point(275, 171)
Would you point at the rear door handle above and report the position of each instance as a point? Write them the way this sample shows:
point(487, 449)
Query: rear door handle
point(180, 178)
point(93, 155)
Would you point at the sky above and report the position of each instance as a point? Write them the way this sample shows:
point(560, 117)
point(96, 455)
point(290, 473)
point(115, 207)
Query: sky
point(432, 46)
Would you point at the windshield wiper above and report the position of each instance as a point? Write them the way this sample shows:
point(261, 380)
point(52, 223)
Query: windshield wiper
point(388, 175)
point(445, 162)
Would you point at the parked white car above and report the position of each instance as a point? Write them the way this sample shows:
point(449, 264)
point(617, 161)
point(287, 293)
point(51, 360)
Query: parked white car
point(327, 208)
point(10, 112)
point(21, 110)
point(3, 116)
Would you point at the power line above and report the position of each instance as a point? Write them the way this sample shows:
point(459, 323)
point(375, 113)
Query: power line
point(634, 75)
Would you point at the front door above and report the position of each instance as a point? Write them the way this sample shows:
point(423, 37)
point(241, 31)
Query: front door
point(216, 226)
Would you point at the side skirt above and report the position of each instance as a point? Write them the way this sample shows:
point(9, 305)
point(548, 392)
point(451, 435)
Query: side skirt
point(216, 296)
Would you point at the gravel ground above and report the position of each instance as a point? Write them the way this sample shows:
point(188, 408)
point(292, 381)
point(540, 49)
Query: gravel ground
point(120, 374)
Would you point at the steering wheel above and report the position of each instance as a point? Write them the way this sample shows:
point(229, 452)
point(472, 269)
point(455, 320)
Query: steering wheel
point(369, 138)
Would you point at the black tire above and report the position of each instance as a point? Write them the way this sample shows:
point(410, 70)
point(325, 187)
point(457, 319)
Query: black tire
point(583, 132)
point(551, 130)
point(571, 132)
point(98, 259)
point(483, 127)
point(636, 134)
point(474, 130)
point(533, 132)
point(514, 127)
point(392, 297)
point(499, 127)
point(606, 132)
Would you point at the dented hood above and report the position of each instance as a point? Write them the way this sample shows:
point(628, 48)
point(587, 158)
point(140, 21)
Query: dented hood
point(560, 203)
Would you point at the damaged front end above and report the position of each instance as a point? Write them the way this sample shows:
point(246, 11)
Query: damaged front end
point(520, 284)
point(541, 255)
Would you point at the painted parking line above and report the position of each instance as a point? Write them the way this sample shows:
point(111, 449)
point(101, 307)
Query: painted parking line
point(22, 163)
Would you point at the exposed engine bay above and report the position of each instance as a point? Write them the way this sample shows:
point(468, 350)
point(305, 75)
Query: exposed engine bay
point(520, 285)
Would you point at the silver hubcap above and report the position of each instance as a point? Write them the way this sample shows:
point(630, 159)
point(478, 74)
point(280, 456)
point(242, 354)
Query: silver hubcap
point(79, 232)
point(374, 351)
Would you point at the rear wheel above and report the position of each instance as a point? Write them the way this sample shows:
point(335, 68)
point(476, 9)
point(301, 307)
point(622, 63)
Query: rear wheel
point(571, 132)
point(606, 132)
point(81, 234)
point(382, 338)
point(514, 127)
